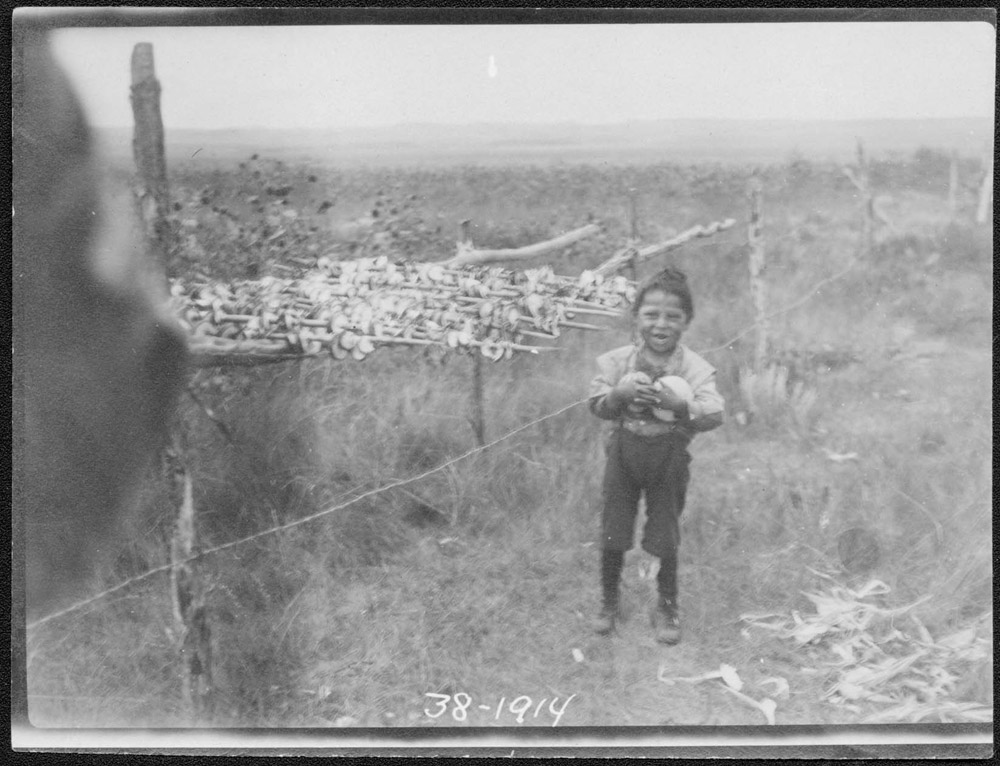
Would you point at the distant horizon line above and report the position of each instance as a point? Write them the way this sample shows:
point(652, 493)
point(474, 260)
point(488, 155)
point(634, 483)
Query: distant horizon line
point(566, 123)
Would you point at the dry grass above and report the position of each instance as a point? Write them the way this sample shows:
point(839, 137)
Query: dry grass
point(481, 579)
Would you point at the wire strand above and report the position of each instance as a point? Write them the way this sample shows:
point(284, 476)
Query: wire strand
point(297, 522)
point(402, 482)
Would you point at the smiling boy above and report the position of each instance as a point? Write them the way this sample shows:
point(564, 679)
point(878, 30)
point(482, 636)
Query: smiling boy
point(647, 450)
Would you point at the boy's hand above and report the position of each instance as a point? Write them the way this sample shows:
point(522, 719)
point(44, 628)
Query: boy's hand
point(668, 400)
point(646, 395)
point(634, 392)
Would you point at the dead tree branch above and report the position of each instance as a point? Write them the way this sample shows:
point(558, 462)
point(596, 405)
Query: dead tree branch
point(470, 256)
point(625, 256)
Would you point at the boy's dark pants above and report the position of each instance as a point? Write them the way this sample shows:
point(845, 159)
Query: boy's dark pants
point(658, 466)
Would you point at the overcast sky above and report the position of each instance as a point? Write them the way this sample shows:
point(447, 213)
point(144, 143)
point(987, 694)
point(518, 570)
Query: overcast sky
point(316, 77)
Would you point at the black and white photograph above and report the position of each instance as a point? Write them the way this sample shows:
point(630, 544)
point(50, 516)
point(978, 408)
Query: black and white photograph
point(503, 382)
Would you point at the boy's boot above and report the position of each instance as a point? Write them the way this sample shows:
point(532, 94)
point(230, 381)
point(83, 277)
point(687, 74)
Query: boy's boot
point(604, 622)
point(665, 622)
point(663, 617)
point(611, 570)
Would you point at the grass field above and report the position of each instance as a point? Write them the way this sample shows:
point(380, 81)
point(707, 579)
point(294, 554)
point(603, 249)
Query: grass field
point(480, 579)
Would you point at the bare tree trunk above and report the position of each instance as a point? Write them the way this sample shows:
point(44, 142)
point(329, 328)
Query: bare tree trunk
point(151, 191)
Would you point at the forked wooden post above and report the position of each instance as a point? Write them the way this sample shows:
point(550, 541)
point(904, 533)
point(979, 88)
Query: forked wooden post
point(151, 190)
point(478, 416)
point(755, 238)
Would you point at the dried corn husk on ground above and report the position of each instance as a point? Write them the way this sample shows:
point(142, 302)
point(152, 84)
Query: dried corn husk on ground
point(350, 308)
point(887, 656)
point(734, 684)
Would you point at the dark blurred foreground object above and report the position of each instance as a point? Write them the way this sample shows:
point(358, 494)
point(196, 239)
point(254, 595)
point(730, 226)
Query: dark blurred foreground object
point(98, 357)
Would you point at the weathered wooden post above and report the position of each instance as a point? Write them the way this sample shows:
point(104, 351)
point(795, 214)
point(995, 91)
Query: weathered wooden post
point(867, 202)
point(478, 400)
point(187, 592)
point(755, 239)
point(633, 235)
point(953, 184)
point(986, 189)
point(862, 182)
point(152, 192)
point(478, 417)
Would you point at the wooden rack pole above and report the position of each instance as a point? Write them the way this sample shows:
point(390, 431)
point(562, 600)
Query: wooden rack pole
point(477, 417)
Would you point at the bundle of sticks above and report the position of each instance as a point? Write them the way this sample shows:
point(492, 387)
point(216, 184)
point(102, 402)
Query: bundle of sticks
point(349, 308)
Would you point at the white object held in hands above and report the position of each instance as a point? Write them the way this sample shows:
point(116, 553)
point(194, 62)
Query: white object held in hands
point(677, 385)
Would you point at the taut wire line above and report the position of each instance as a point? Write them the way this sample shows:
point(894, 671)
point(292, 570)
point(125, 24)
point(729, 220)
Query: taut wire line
point(296, 522)
point(403, 482)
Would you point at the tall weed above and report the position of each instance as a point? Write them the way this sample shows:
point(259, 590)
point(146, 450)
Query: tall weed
point(776, 404)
